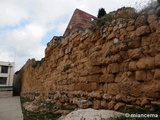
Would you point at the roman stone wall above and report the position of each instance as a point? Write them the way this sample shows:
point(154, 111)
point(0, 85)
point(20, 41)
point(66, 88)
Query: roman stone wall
point(114, 64)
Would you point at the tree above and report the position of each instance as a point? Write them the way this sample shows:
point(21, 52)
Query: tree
point(101, 12)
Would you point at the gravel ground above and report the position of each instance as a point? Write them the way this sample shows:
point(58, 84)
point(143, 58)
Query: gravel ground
point(10, 109)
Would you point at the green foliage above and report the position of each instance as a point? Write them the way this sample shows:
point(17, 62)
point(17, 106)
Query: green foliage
point(23, 100)
point(102, 21)
point(101, 13)
point(40, 116)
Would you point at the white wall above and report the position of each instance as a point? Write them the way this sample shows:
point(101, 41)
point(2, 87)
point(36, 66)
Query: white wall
point(10, 73)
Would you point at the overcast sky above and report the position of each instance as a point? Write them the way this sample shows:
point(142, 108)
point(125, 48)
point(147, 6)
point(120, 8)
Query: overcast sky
point(26, 26)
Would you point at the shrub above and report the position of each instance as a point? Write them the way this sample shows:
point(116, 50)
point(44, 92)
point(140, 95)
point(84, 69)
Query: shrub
point(101, 12)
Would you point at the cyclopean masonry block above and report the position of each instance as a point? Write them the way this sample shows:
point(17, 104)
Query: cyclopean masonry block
point(117, 60)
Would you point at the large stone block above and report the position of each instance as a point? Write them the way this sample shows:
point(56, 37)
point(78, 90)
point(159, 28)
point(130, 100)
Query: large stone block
point(96, 104)
point(124, 87)
point(135, 43)
point(152, 18)
point(93, 78)
point(113, 88)
point(113, 68)
point(105, 88)
point(83, 79)
point(151, 90)
point(141, 21)
point(136, 89)
point(71, 87)
point(143, 30)
point(157, 60)
point(154, 49)
point(146, 63)
point(108, 78)
point(119, 105)
point(135, 53)
point(154, 26)
point(132, 66)
point(155, 37)
point(95, 70)
point(157, 74)
point(94, 86)
point(111, 105)
point(146, 40)
point(124, 66)
point(141, 76)
point(104, 104)
point(116, 58)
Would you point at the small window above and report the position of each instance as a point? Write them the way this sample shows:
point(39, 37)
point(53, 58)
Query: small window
point(4, 69)
point(3, 80)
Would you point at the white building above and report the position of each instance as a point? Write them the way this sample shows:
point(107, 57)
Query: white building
point(6, 78)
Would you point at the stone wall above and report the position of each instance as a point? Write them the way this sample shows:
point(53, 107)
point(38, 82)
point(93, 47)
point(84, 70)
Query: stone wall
point(114, 64)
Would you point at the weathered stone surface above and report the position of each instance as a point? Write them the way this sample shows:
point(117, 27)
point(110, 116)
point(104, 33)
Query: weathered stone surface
point(136, 42)
point(121, 97)
point(141, 21)
point(93, 78)
point(94, 114)
point(84, 104)
point(124, 87)
point(155, 102)
point(108, 78)
point(107, 97)
point(95, 95)
point(146, 40)
point(151, 90)
point(146, 63)
point(95, 70)
point(116, 58)
point(143, 30)
point(141, 75)
point(119, 105)
point(96, 104)
point(112, 35)
point(154, 26)
point(152, 18)
point(104, 104)
point(113, 88)
point(132, 66)
point(145, 102)
point(136, 89)
point(157, 74)
point(113, 68)
point(30, 106)
point(105, 87)
point(157, 60)
point(111, 105)
point(135, 53)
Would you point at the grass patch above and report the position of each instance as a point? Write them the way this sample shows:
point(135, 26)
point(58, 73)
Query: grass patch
point(44, 115)
point(38, 115)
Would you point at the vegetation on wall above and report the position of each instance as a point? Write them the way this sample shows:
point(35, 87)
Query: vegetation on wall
point(101, 13)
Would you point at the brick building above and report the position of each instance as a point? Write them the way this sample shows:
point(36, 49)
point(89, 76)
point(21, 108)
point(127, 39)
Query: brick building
point(80, 20)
